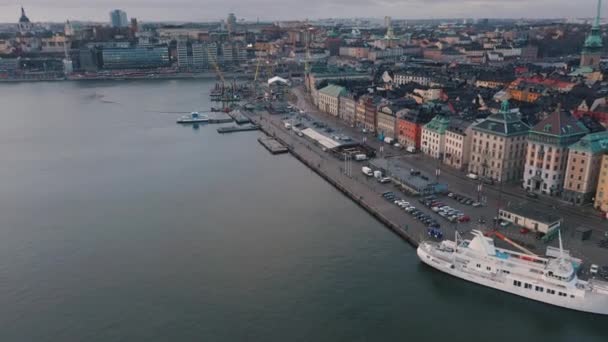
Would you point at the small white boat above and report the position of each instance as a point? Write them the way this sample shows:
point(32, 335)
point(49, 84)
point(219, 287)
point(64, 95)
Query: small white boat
point(194, 117)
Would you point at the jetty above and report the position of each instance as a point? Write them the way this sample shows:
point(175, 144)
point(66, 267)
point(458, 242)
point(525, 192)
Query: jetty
point(272, 145)
point(233, 129)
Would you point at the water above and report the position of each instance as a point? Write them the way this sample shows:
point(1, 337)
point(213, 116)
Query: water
point(116, 224)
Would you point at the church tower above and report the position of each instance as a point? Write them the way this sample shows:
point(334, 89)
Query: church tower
point(592, 50)
point(25, 25)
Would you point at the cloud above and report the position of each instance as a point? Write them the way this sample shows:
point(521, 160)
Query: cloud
point(197, 10)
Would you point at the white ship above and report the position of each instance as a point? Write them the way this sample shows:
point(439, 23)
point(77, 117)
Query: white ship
point(548, 280)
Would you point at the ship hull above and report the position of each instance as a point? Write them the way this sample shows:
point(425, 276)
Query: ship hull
point(591, 302)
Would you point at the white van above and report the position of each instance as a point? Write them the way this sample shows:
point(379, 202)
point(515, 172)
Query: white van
point(473, 176)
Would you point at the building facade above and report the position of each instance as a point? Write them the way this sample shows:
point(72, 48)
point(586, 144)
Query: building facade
point(601, 194)
point(135, 57)
point(385, 121)
point(409, 128)
point(458, 138)
point(498, 146)
point(118, 18)
point(348, 109)
point(329, 99)
point(547, 153)
point(584, 165)
point(433, 136)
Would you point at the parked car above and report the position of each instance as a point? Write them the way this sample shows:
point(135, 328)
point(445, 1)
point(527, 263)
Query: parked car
point(464, 218)
point(505, 224)
point(531, 194)
point(594, 269)
point(524, 231)
point(472, 176)
point(476, 204)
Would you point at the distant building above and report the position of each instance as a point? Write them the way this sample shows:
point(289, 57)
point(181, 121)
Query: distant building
point(601, 194)
point(433, 136)
point(194, 56)
point(118, 18)
point(135, 57)
point(592, 50)
point(547, 155)
point(499, 146)
point(25, 25)
point(584, 163)
point(231, 23)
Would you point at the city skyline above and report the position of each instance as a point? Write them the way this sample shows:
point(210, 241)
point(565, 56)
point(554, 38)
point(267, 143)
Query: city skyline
point(189, 10)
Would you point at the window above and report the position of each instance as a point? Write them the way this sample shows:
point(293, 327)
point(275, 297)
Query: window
point(549, 291)
point(517, 283)
point(528, 286)
point(538, 288)
point(478, 265)
point(489, 268)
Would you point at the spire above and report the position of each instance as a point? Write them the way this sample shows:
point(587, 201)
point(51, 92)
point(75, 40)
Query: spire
point(23, 11)
point(597, 16)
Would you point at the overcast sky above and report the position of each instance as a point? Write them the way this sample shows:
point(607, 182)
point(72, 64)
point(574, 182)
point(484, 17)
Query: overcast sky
point(201, 10)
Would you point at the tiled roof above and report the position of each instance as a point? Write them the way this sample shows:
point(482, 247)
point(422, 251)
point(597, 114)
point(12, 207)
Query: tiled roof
point(560, 123)
point(439, 124)
point(333, 90)
point(503, 123)
point(594, 143)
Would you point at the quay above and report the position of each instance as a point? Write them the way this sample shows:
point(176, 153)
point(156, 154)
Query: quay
point(220, 118)
point(272, 145)
point(359, 193)
point(234, 129)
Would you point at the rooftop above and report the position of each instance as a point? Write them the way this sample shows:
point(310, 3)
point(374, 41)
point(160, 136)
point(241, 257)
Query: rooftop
point(532, 213)
point(333, 90)
point(594, 143)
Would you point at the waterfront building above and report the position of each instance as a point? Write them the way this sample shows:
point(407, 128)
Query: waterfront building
point(498, 148)
point(118, 18)
point(193, 56)
point(601, 194)
point(458, 138)
point(433, 136)
point(25, 25)
point(385, 121)
point(135, 57)
point(584, 163)
point(409, 127)
point(329, 99)
point(592, 49)
point(348, 109)
point(360, 111)
point(529, 217)
point(547, 155)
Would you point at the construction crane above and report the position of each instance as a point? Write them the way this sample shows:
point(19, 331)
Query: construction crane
point(516, 245)
point(215, 65)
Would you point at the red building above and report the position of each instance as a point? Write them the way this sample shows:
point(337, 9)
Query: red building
point(409, 127)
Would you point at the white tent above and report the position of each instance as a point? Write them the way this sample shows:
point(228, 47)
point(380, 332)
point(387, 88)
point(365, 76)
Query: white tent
point(278, 79)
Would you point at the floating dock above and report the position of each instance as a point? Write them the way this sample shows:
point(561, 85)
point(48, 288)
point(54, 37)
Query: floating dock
point(273, 145)
point(220, 118)
point(233, 129)
point(238, 117)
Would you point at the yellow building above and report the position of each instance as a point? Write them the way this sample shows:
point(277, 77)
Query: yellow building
point(601, 195)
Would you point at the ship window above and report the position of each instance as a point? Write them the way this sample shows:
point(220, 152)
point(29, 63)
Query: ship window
point(539, 289)
point(550, 291)
point(517, 283)
point(528, 286)
point(489, 268)
point(478, 265)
